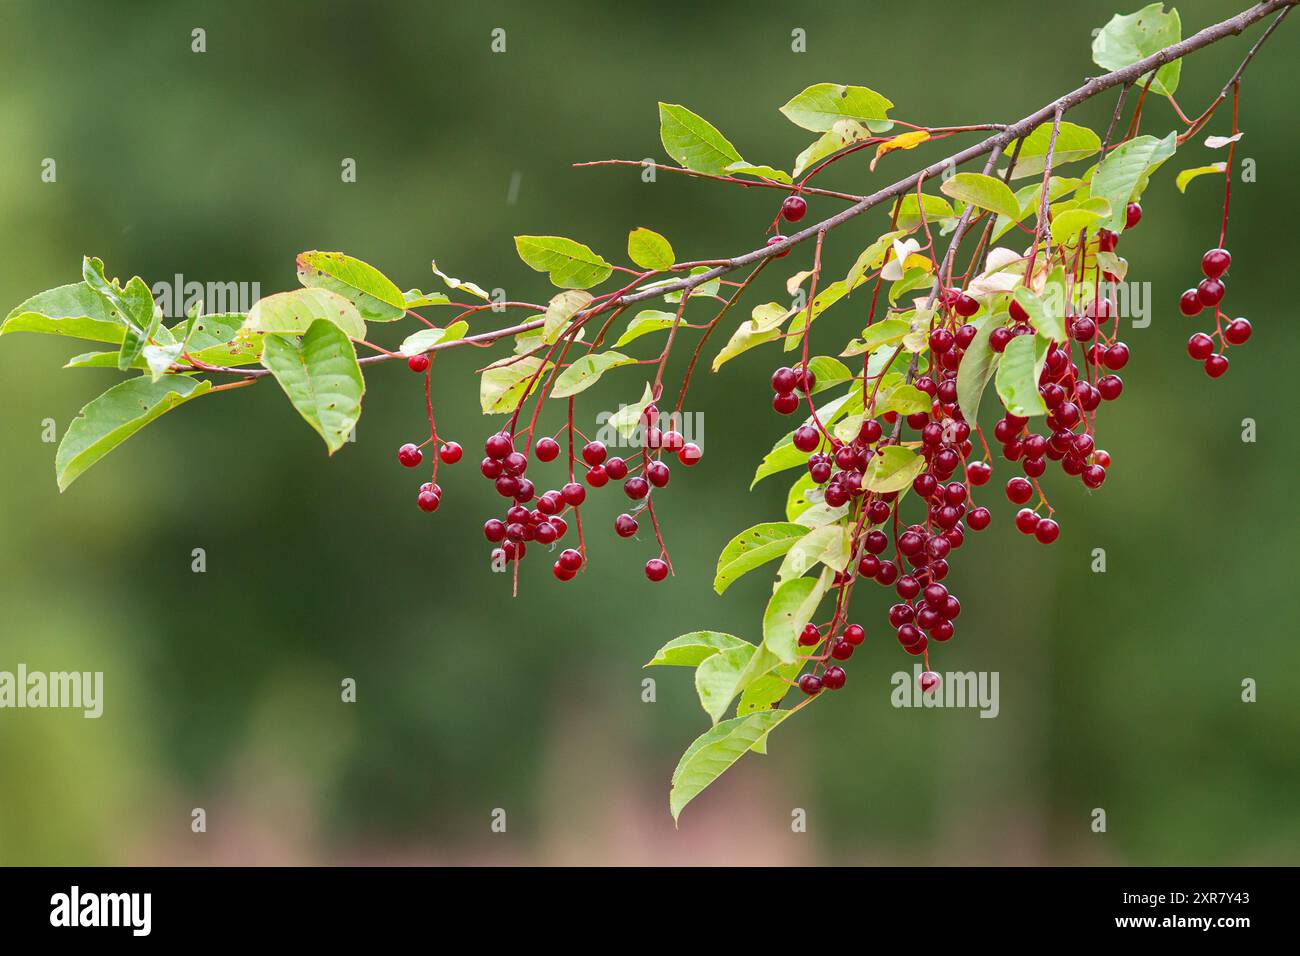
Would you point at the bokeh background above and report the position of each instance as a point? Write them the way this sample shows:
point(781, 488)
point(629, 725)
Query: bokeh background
point(1118, 690)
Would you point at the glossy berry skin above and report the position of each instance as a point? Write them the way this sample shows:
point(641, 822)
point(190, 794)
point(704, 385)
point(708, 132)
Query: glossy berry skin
point(597, 477)
point(1210, 292)
point(773, 241)
point(418, 363)
point(636, 487)
point(494, 529)
point(1115, 357)
point(562, 573)
point(1216, 365)
point(793, 209)
point(656, 569)
point(574, 493)
point(1047, 531)
point(1017, 311)
point(979, 519)
point(450, 453)
point(833, 678)
point(810, 636)
point(593, 453)
point(1027, 520)
point(410, 455)
point(1237, 332)
point(690, 454)
point(784, 380)
point(570, 559)
point(1132, 215)
point(810, 684)
point(616, 468)
point(841, 650)
point(428, 501)
point(1189, 303)
point(1200, 346)
point(966, 306)
point(806, 438)
point(625, 526)
point(854, 634)
point(657, 473)
point(1019, 490)
point(1215, 263)
point(498, 446)
point(547, 449)
point(785, 403)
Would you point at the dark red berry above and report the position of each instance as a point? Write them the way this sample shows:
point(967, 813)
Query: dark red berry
point(690, 454)
point(450, 453)
point(418, 363)
point(834, 678)
point(1237, 331)
point(410, 455)
point(854, 634)
point(793, 209)
point(806, 438)
point(657, 473)
point(773, 241)
point(810, 684)
point(1216, 365)
point(1210, 292)
point(1132, 215)
point(1047, 531)
point(1189, 303)
point(548, 449)
point(616, 468)
point(1019, 490)
point(1200, 346)
point(1215, 263)
point(498, 446)
point(625, 525)
point(636, 487)
point(570, 559)
point(656, 569)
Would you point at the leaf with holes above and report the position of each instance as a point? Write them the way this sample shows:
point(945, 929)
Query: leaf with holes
point(753, 548)
point(372, 292)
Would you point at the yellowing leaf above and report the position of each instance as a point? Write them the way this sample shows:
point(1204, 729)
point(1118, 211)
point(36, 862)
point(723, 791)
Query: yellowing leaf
point(1187, 175)
point(909, 140)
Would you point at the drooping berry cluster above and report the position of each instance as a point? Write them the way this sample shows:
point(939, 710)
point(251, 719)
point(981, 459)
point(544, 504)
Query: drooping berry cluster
point(1208, 294)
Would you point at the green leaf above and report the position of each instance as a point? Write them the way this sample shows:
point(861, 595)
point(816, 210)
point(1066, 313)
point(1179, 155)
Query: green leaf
point(821, 106)
point(415, 299)
point(763, 326)
point(504, 386)
point(74, 310)
point(885, 332)
point(568, 264)
point(628, 418)
point(649, 250)
point(842, 134)
point(822, 301)
point(1118, 175)
point(560, 311)
point(425, 339)
point(709, 756)
point(133, 304)
point(645, 322)
point(320, 374)
point(743, 168)
point(828, 544)
point(977, 367)
point(718, 679)
point(903, 398)
point(1126, 39)
point(909, 210)
point(873, 257)
point(1050, 320)
point(754, 547)
point(115, 416)
point(793, 604)
point(292, 313)
point(829, 372)
point(986, 192)
point(1187, 175)
point(372, 292)
point(1073, 142)
point(1017, 378)
point(892, 469)
point(693, 142)
point(797, 501)
point(459, 285)
point(586, 371)
point(690, 650)
point(217, 340)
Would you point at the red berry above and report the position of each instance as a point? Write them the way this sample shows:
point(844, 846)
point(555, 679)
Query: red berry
point(450, 453)
point(1017, 311)
point(810, 684)
point(625, 526)
point(1237, 331)
point(1215, 263)
point(657, 473)
point(574, 493)
point(498, 446)
point(616, 468)
point(636, 488)
point(690, 454)
point(1107, 240)
point(1115, 357)
point(834, 678)
point(410, 455)
point(784, 380)
point(793, 209)
point(1027, 520)
point(418, 363)
point(656, 569)
point(854, 634)
point(596, 477)
point(547, 449)
point(810, 636)
point(1200, 346)
point(570, 559)
point(1132, 215)
point(773, 241)
point(561, 572)
point(966, 306)
point(979, 519)
point(1216, 365)
point(1189, 303)
point(1047, 531)
point(428, 501)
point(1019, 490)
point(1210, 292)
point(807, 438)
point(785, 403)
point(593, 453)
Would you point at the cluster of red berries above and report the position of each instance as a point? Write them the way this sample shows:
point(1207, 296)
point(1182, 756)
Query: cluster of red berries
point(411, 455)
point(832, 676)
point(785, 382)
point(1207, 295)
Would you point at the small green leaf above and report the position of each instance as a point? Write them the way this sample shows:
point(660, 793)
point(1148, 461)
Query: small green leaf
point(586, 371)
point(754, 547)
point(892, 469)
point(645, 322)
point(977, 367)
point(1118, 175)
point(649, 250)
point(73, 310)
point(115, 416)
point(986, 192)
point(763, 326)
point(459, 285)
point(718, 679)
point(909, 210)
point(1073, 142)
point(505, 385)
point(415, 299)
point(217, 340)
point(714, 751)
point(793, 604)
point(560, 311)
point(885, 332)
point(694, 142)
point(628, 418)
point(829, 372)
point(1126, 39)
point(294, 312)
point(828, 544)
point(320, 374)
point(376, 297)
point(904, 399)
point(743, 168)
point(821, 106)
point(425, 339)
point(1017, 378)
point(568, 264)
point(133, 304)
point(797, 500)
point(1187, 175)
point(842, 134)
point(690, 650)
point(873, 257)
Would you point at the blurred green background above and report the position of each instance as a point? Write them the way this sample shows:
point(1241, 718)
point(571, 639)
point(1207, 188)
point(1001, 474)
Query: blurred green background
point(1118, 691)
